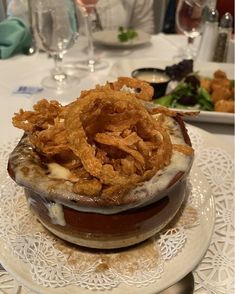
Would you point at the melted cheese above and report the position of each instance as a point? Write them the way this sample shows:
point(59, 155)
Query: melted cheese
point(56, 213)
point(57, 171)
point(159, 182)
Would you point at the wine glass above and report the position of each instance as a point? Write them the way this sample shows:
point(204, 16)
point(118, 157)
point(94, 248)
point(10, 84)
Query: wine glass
point(55, 28)
point(88, 8)
point(190, 21)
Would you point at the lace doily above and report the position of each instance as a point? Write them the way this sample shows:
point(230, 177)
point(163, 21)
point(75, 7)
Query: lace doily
point(53, 263)
point(215, 274)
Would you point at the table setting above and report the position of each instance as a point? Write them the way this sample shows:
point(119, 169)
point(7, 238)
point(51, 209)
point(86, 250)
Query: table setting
point(196, 243)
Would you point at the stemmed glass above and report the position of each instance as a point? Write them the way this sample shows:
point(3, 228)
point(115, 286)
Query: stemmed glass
point(55, 28)
point(190, 21)
point(88, 7)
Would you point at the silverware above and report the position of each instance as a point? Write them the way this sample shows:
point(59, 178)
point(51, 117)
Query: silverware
point(29, 51)
point(32, 49)
point(184, 286)
point(2, 268)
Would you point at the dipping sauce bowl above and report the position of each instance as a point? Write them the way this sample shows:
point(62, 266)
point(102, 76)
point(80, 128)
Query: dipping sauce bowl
point(157, 78)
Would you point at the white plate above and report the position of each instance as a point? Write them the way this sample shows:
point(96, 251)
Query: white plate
point(191, 254)
point(126, 66)
point(196, 245)
point(110, 38)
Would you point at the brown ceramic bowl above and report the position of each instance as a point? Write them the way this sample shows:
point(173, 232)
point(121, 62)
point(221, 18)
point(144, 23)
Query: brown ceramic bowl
point(107, 231)
point(89, 221)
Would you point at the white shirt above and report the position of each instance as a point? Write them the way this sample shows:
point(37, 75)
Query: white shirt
point(136, 14)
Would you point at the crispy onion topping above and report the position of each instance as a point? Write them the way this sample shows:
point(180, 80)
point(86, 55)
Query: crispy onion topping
point(107, 139)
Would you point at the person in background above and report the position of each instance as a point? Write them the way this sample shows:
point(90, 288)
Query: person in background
point(111, 14)
point(135, 14)
point(18, 8)
point(169, 19)
point(2, 10)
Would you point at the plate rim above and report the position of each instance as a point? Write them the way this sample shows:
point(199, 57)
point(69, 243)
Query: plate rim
point(145, 38)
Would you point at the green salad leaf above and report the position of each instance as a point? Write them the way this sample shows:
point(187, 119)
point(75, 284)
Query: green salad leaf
point(187, 95)
point(125, 35)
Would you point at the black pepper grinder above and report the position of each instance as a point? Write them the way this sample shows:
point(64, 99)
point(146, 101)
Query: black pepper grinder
point(224, 35)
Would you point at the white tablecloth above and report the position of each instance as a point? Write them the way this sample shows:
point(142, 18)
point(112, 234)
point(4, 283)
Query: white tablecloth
point(23, 70)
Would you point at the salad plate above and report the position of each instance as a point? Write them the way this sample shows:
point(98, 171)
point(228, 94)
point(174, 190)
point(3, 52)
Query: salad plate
point(110, 38)
point(205, 69)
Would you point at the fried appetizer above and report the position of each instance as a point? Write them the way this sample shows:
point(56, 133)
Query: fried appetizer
point(221, 91)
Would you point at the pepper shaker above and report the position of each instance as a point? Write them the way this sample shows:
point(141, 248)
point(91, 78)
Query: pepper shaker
point(224, 35)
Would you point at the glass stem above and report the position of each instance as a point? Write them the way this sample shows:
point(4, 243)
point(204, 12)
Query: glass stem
point(91, 59)
point(190, 42)
point(58, 73)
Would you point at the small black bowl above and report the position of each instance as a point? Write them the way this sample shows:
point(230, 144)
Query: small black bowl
point(156, 77)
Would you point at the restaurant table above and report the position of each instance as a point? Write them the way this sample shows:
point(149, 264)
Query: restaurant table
point(22, 70)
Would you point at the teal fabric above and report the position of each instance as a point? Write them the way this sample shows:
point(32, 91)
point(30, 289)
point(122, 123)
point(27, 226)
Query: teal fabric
point(14, 37)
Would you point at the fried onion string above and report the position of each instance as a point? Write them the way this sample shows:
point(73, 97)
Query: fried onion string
point(107, 138)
